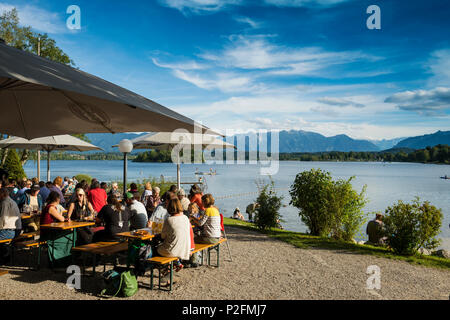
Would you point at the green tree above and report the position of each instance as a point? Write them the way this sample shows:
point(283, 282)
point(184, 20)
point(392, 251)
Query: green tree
point(328, 207)
point(13, 166)
point(267, 213)
point(409, 227)
point(311, 193)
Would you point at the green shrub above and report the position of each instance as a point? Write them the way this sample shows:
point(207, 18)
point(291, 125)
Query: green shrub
point(409, 227)
point(328, 207)
point(13, 166)
point(346, 206)
point(81, 177)
point(267, 213)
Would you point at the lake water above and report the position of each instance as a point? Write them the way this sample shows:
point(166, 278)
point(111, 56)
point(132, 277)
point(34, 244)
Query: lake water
point(386, 182)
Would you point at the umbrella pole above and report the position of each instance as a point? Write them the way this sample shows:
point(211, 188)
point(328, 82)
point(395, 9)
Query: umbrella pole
point(39, 165)
point(124, 174)
point(178, 172)
point(48, 165)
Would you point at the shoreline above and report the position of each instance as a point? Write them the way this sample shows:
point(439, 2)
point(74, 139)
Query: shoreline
point(262, 268)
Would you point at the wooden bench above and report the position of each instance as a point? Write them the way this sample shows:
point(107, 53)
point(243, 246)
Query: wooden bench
point(200, 247)
point(6, 241)
point(25, 236)
point(101, 249)
point(3, 272)
point(29, 244)
point(159, 263)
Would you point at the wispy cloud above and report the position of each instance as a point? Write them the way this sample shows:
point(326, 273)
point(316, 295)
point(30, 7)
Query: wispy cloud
point(303, 3)
point(426, 102)
point(340, 102)
point(439, 65)
point(38, 18)
point(258, 53)
point(251, 22)
point(199, 6)
point(183, 65)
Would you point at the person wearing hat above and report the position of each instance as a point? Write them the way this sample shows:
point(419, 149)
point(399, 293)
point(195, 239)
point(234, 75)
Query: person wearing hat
point(375, 230)
point(138, 213)
point(237, 214)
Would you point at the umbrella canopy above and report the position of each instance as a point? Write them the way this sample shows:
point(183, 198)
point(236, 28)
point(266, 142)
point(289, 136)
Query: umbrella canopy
point(168, 140)
point(40, 97)
point(60, 143)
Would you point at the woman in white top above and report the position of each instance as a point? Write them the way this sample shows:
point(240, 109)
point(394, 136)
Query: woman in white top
point(175, 233)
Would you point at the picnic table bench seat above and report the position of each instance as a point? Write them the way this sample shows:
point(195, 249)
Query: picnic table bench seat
point(3, 272)
point(30, 245)
point(101, 249)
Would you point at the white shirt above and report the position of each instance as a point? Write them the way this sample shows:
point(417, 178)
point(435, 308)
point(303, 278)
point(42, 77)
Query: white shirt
point(177, 238)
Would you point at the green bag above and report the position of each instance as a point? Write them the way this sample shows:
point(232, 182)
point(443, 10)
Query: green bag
point(129, 284)
point(124, 282)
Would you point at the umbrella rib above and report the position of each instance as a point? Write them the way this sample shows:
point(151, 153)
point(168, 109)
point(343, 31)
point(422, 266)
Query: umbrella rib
point(20, 112)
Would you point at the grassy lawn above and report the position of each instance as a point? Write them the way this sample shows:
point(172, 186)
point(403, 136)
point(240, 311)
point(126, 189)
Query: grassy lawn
point(305, 241)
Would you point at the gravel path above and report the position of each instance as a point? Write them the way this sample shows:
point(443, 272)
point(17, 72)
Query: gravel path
point(262, 268)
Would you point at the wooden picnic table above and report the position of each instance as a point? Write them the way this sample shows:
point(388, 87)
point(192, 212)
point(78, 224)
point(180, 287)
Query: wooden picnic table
point(130, 235)
point(67, 225)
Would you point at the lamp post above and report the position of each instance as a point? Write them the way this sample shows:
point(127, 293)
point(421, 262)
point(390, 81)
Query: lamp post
point(125, 146)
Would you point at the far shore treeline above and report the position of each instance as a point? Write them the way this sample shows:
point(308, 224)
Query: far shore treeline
point(439, 154)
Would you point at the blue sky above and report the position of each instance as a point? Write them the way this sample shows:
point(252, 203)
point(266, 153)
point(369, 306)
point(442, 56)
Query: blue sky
point(240, 65)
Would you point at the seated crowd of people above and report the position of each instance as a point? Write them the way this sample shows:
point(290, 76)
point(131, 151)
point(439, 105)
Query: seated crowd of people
point(184, 219)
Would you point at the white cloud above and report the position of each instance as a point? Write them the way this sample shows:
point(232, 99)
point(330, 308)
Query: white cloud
point(439, 65)
point(426, 102)
point(257, 53)
point(303, 3)
point(38, 18)
point(251, 22)
point(185, 65)
point(225, 82)
point(340, 102)
point(198, 6)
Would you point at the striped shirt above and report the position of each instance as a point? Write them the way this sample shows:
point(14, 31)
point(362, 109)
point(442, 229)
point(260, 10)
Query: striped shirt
point(211, 223)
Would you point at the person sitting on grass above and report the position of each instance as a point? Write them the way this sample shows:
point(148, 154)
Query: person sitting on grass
point(375, 230)
point(116, 218)
point(209, 221)
point(238, 215)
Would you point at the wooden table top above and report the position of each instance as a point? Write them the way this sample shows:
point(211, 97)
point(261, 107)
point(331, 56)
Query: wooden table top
point(131, 235)
point(67, 225)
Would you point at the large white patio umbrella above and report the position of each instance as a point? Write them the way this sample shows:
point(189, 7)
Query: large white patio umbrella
point(168, 140)
point(53, 143)
point(40, 97)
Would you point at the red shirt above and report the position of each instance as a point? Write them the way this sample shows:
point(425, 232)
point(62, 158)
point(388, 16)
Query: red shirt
point(46, 217)
point(197, 198)
point(97, 197)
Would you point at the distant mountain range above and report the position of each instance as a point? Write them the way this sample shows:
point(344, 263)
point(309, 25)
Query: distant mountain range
point(300, 141)
point(421, 142)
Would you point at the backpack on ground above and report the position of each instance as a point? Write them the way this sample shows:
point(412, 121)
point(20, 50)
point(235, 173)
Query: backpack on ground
point(119, 282)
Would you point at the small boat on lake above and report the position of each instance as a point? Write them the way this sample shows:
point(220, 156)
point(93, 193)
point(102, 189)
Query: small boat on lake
point(445, 177)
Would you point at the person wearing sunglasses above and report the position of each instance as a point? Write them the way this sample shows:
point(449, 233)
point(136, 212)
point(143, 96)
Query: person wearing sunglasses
point(80, 210)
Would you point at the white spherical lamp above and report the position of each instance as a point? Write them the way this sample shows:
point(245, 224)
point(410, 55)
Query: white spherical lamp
point(125, 146)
